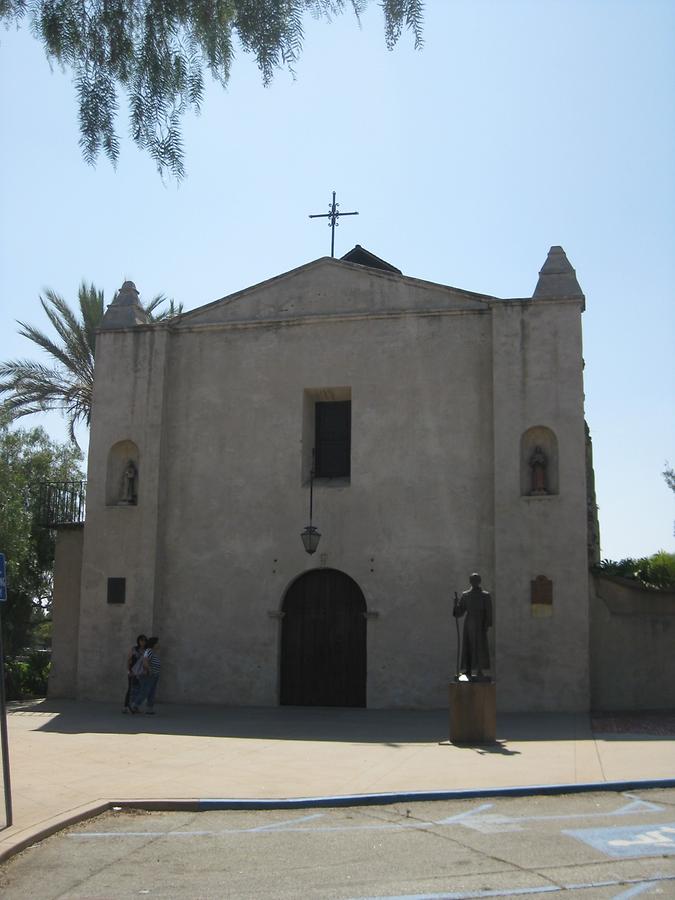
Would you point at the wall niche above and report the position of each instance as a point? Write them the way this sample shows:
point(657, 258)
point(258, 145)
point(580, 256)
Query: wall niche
point(538, 462)
point(121, 487)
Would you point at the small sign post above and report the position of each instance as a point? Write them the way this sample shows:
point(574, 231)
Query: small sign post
point(3, 706)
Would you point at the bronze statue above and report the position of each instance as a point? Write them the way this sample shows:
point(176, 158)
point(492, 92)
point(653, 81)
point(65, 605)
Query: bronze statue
point(477, 605)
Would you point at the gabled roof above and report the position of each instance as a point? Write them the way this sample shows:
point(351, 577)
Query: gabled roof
point(363, 257)
point(359, 284)
point(332, 288)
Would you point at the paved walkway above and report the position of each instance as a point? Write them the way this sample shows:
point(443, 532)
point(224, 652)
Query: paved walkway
point(68, 758)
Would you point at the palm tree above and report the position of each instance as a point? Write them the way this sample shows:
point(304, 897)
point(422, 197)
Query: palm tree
point(67, 384)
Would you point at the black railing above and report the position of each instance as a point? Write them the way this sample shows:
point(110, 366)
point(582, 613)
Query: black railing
point(60, 502)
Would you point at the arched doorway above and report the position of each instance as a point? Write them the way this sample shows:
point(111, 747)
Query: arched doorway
point(323, 641)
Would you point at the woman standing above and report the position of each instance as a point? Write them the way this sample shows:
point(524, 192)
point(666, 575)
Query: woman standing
point(147, 683)
point(135, 654)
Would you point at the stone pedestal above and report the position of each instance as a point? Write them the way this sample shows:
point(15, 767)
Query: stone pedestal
point(473, 712)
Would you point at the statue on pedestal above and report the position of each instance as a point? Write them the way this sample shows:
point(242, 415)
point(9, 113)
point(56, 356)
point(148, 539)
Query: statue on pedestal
point(476, 605)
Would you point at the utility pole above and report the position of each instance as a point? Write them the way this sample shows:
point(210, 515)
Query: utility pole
point(3, 705)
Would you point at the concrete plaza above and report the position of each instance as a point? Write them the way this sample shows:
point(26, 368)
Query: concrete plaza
point(69, 759)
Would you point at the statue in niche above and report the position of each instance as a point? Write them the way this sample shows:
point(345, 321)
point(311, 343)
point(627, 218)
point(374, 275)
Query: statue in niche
point(538, 464)
point(129, 493)
point(476, 605)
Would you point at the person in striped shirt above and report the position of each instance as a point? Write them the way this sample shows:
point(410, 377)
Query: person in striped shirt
point(147, 683)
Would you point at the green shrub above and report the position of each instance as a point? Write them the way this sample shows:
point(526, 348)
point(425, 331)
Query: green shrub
point(26, 675)
point(656, 571)
point(14, 671)
point(37, 673)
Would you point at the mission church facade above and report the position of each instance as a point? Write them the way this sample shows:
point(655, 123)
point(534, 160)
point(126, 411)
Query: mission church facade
point(445, 433)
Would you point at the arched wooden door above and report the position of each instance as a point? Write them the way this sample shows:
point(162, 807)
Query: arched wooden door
point(323, 641)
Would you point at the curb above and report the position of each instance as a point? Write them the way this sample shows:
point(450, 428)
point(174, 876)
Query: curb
point(73, 817)
point(33, 835)
point(203, 805)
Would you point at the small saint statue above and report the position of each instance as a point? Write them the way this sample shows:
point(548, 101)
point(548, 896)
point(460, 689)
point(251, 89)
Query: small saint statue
point(476, 605)
point(538, 463)
point(129, 479)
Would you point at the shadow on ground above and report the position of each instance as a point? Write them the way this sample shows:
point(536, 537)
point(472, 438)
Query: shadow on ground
point(634, 725)
point(289, 723)
point(268, 723)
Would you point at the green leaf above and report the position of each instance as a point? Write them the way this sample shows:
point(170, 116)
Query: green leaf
point(156, 52)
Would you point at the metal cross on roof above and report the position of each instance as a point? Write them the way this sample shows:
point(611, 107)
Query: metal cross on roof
point(333, 215)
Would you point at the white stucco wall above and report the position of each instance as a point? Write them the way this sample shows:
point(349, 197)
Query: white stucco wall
point(66, 611)
point(542, 661)
point(442, 385)
point(121, 541)
point(632, 639)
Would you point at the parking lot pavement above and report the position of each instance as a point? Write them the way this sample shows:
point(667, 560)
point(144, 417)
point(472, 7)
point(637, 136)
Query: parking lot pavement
point(597, 846)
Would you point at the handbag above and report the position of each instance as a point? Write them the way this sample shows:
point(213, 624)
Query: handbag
point(138, 668)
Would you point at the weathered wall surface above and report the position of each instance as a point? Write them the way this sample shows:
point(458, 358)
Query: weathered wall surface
point(66, 611)
point(330, 287)
point(121, 541)
point(442, 386)
point(632, 641)
point(406, 528)
point(542, 660)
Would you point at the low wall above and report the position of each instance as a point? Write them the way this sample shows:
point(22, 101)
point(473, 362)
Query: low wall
point(66, 611)
point(632, 645)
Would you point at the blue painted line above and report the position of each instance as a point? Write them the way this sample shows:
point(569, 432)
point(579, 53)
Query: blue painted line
point(88, 835)
point(638, 888)
point(468, 895)
point(419, 796)
point(642, 806)
point(460, 817)
point(635, 890)
point(280, 826)
point(260, 830)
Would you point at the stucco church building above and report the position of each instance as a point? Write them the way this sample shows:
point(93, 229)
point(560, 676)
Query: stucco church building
point(439, 431)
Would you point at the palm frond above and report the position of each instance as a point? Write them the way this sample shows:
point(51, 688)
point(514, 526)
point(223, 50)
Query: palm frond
point(169, 312)
point(92, 309)
point(46, 343)
point(32, 387)
point(67, 385)
point(66, 325)
point(156, 301)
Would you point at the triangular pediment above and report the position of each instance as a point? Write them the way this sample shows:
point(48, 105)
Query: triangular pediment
point(329, 287)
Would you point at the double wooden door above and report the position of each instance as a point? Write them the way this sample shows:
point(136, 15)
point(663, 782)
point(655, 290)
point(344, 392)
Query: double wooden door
point(323, 641)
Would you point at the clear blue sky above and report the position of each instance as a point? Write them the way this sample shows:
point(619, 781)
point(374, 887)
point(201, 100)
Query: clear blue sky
point(518, 126)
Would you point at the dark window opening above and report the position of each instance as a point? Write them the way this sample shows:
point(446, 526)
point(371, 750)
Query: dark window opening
point(117, 589)
point(333, 425)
